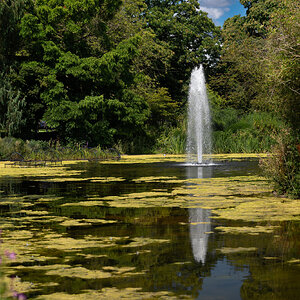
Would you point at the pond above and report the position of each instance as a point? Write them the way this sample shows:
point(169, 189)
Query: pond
point(147, 227)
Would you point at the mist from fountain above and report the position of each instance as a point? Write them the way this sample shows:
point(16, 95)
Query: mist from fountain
point(199, 120)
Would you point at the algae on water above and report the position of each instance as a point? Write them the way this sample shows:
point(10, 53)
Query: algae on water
point(126, 222)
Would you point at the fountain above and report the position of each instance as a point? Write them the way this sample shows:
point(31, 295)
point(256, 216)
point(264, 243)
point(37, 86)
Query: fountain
point(199, 121)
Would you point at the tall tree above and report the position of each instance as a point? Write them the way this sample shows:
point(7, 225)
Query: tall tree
point(259, 69)
point(12, 102)
point(12, 106)
point(10, 14)
point(77, 78)
point(189, 34)
point(239, 73)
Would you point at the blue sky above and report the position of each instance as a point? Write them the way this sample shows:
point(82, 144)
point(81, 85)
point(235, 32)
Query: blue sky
point(220, 10)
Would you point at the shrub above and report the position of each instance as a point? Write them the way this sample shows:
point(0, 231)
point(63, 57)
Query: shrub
point(283, 166)
point(253, 132)
point(173, 140)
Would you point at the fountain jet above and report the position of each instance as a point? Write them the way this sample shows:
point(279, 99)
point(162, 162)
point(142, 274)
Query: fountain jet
point(199, 120)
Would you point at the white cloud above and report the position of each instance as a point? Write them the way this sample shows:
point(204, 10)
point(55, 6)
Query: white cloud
point(214, 13)
point(215, 8)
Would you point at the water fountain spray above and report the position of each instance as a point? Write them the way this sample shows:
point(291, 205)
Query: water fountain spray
point(199, 120)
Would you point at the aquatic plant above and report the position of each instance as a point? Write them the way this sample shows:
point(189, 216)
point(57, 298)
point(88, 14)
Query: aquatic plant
point(106, 224)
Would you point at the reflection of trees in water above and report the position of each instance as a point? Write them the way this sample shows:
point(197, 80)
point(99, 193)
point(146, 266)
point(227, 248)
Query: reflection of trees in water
point(10, 186)
point(199, 218)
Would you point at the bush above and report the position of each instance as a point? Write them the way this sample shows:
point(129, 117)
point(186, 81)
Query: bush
point(28, 149)
point(173, 140)
point(283, 166)
point(235, 133)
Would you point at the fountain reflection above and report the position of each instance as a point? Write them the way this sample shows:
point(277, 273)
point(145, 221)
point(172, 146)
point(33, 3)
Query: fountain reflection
point(199, 219)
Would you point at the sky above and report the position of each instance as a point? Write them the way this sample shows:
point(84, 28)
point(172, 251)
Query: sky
point(220, 10)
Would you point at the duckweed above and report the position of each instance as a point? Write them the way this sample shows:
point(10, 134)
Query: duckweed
point(134, 231)
point(227, 250)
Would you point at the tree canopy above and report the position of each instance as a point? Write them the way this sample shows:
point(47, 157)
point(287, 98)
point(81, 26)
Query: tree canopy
point(259, 70)
point(102, 71)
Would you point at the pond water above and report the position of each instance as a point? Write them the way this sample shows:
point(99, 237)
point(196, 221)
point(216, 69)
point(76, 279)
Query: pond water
point(148, 227)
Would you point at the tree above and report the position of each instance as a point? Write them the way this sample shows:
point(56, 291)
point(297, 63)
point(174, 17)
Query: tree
point(240, 72)
point(77, 78)
point(189, 34)
point(281, 89)
point(10, 14)
point(259, 70)
point(259, 14)
point(12, 107)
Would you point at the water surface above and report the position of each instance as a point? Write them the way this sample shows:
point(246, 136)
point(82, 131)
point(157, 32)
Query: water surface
point(148, 227)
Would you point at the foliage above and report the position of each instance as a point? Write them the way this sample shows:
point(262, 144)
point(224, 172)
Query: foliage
point(83, 92)
point(259, 69)
point(10, 15)
point(236, 133)
point(103, 72)
point(9, 145)
point(189, 34)
point(283, 166)
point(12, 107)
point(173, 139)
point(32, 151)
point(280, 86)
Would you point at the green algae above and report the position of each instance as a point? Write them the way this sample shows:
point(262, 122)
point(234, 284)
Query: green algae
point(18, 285)
point(71, 244)
point(153, 158)
point(113, 293)
point(55, 171)
point(139, 242)
point(294, 261)
point(165, 179)
point(254, 230)
point(57, 253)
point(85, 222)
point(34, 212)
point(227, 250)
point(245, 198)
point(49, 198)
point(78, 272)
point(84, 203)
point(266, 209)
point(106, 179)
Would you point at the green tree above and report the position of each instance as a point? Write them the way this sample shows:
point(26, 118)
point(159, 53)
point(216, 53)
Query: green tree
point(189, 34)
point(281, 92)
point(80, 76)
point(12, 106)
point(10, 14)
point(280, 87)
point(240, 72)
point(258, 16)
point(259, 70)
